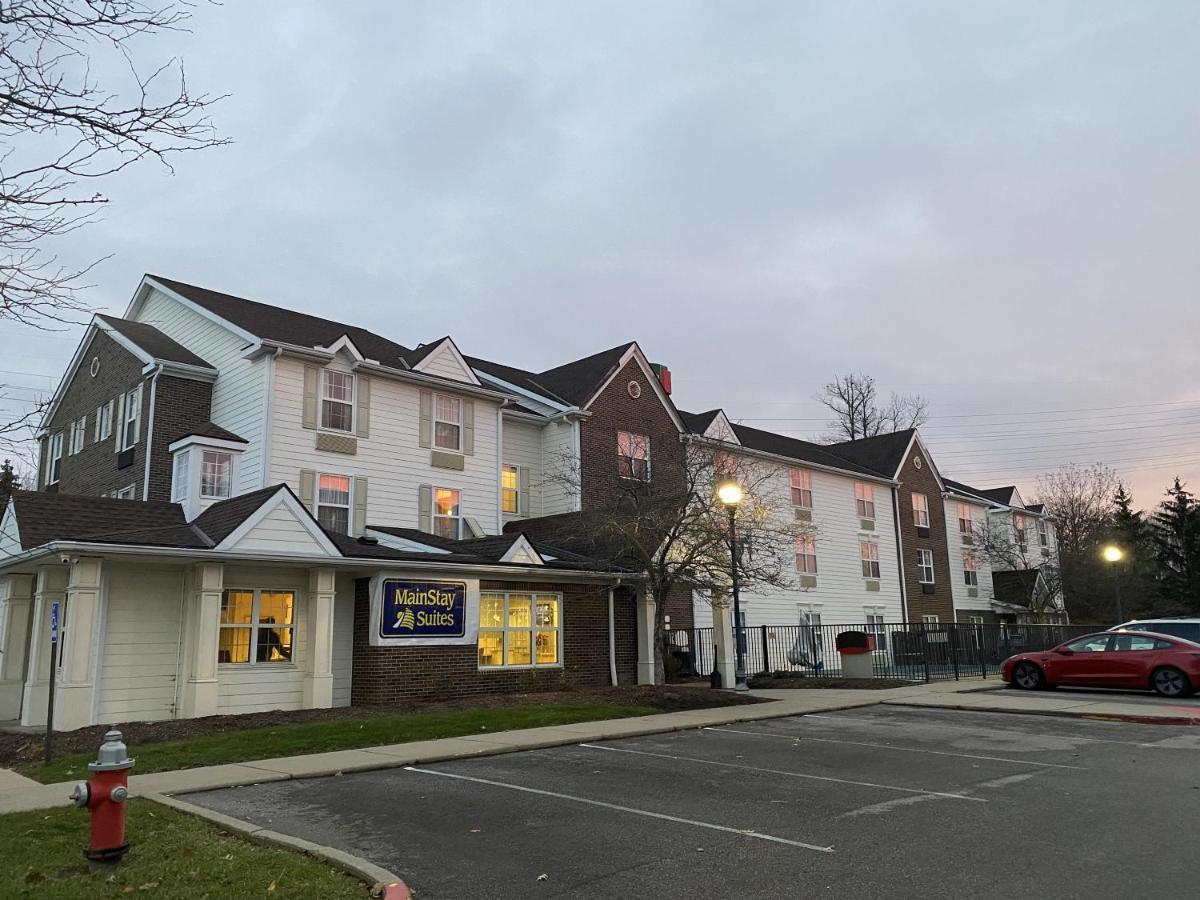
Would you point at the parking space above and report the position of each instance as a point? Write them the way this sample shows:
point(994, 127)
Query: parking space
point(1124, 695)
point(874, 802)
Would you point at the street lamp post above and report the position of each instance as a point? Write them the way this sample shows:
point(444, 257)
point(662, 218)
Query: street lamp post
point(1113, 555)
point(730, 494)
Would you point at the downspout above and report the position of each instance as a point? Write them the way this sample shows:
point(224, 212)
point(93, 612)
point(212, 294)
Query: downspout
point(150, 433)
point(268, 412)
point(612, 640)
point(899, 551)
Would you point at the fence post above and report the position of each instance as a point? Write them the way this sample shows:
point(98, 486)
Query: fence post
point(766, 652)
point(954, 649)
point(925, 650)
point(979, 649)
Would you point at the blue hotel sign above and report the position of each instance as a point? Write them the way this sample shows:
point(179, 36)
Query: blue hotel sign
point(423, 609)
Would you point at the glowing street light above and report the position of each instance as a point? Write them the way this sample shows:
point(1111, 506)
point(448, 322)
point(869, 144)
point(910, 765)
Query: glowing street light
point(730, 494)
point(1112, 555)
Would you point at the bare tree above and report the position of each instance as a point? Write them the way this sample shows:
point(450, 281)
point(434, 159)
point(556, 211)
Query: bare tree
point(1008, 547)
point(674, 530)
point(857, 411)
point(61, 130)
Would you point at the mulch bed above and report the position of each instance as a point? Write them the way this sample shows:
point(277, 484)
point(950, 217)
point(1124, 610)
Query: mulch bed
point(21, 748)
point(789, 680)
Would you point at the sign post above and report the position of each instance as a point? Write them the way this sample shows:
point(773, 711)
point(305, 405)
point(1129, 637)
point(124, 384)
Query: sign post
point(53, 673)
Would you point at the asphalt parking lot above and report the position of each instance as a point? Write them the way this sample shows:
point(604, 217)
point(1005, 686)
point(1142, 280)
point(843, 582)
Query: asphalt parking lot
point(874, 802)
point(1123, 695)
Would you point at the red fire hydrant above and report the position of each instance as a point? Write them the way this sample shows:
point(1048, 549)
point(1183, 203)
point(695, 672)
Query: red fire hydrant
point(105, 795)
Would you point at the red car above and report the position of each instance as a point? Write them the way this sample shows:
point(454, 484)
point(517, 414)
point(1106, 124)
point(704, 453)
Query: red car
point(1125, 659)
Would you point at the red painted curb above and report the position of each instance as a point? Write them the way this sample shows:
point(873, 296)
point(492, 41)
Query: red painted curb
point(397, 890)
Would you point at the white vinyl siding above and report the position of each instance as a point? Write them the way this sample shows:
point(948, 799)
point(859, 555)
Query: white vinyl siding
point(558, 453)
point(955, 549)
point(390, 459)
point(443, 363)
point(523, 449)
point(343, 639)
point(239, 393)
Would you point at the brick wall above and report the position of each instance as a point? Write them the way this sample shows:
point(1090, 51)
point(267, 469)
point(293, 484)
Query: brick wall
point(94, 469)
point(181, 405)
point(615, 410)
point(391, 675)
point(921, 480)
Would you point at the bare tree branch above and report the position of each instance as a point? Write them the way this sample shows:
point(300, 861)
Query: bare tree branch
point(857, 413)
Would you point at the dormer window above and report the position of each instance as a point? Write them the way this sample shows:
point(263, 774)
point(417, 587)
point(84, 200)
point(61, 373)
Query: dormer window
point(203, 472)
point(337, 400)
point(216, 474)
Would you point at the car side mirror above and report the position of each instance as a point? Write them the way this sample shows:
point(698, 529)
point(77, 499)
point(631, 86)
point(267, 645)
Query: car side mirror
point(1064, 651)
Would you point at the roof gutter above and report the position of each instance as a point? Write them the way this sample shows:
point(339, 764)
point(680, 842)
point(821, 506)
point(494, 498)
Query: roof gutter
point(63, 549)
point(785, 460)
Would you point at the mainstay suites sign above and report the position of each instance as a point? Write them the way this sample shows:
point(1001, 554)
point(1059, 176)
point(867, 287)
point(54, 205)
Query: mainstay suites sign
point(409, 611)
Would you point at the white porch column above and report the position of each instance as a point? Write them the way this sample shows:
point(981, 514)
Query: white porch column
point(79, 649)
point(201, 631)
point(16, 598)
point(318, 666)
point(50, 586)
point(645, 637)
point(722, 616)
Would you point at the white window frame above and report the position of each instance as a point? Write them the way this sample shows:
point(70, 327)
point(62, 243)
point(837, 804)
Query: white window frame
point(514, 492)
point(133, 416)
point(532, 630)
point(806, 554)
point(864, 500)
point(868, 552)
point(348, 506)
point(801, 481)
point(634, 437)
point(54, 457)
point(813, 611)
point(1021, 531)
point(104, 421)
point(437, 419)
point(966, 523)
point(207, 451)
point(323, 399)
point(78, 435)
point(877, 625)
point(930, 620)
point(255, 626)
point(1043, 531)
point(925, 565)
point(970, 570)
point(180, 475)
point(921, 510)
point(434, 516)
point(129, 492)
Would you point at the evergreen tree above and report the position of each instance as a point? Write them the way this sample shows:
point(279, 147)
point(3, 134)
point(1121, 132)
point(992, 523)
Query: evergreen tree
point(8, 483)
point(1131, 532)
point(1176, 541)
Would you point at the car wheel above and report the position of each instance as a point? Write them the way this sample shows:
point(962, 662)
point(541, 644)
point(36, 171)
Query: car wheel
point(1170, 682)
point(1028, 677)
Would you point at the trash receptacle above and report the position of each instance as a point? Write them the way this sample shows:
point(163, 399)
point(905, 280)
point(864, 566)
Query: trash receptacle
point(854, 649)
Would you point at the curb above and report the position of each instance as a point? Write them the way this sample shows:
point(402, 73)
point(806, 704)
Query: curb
point(384, 884)
point(1059, 713)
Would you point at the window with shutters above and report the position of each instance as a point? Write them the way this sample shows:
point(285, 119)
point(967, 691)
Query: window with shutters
point(864, 500)
point(869, 551)
point(104, 421)
point(447, 422)
point(54, 456)
point(510, 489)
point(256, 626)
point(78, 434)
point(337, 400)
point(519, 630)
point(802, 488)
point(920, 508)
point(216, 471)
point(447, 513)
point(633, 456)
point(132, 425)
point(333, 503)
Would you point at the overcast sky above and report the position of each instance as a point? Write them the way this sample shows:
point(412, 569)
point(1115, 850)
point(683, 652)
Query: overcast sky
point(992, 204)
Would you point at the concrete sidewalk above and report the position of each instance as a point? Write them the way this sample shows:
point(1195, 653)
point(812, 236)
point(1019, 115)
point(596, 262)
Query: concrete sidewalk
point(19, 793)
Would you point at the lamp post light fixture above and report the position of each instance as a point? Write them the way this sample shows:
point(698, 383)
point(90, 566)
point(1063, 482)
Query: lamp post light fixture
point(730, 494)
point(1113, 555)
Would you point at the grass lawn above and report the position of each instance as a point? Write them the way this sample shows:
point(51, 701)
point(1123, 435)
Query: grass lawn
point(173, 855)
point(332, 734)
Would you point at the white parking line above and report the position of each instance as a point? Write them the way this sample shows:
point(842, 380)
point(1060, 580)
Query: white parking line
point(727, 765)
point(798, 737)
point(625, 809)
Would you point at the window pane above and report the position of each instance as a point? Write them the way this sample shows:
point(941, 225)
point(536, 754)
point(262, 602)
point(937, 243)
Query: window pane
point(274, 645)
point(334, 489)
point(214, 474)
point(445, 502)
point(446, 436)
point(491, 648)
point(519, 611)
point(547, 612)
point(491, 611)
point(237, 607)
point(233, 645)
point(339, 386)
point(519, 651)
point(335, 519)
point(445, 526)
point(547, 648)
point(336, 416)
point(508, 477)
point(449, 409)
point(276, 607)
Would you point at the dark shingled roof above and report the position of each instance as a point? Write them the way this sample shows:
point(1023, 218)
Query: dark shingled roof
point(221, 519)
point(572, 383)
point(882, 454)
point(958, 487)
point(1036, 507)
point(414, 534)
point(152, 341)
point(697, 423)
point(44, 517)
point(289, 326)
point(803, 451)
point(1001, 495)
point(1016, 587)
point(209, 430)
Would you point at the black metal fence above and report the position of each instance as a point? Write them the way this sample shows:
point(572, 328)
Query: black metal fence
point(917, 651)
